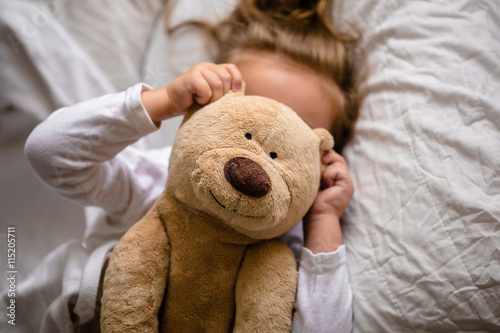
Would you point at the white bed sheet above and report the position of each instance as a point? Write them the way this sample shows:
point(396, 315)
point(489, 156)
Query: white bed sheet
point(423, 228)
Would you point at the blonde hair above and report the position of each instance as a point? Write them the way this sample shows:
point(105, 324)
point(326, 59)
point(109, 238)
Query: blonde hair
point(303, 31)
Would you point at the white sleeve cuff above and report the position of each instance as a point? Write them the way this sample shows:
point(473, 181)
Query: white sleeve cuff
point(322, 263)
point(324, 296)
point(141, 117)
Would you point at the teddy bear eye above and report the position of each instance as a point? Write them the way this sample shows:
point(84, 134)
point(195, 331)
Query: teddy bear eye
point(273, 155)
point(248, 136)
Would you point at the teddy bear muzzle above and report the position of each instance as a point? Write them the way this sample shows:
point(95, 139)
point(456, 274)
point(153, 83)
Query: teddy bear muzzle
point(247, 177)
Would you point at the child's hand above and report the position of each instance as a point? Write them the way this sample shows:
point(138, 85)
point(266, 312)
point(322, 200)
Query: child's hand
point(203, 83)
point(336, 187)
point(322, 222)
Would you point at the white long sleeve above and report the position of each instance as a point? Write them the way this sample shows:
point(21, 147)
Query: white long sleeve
point(83, 153)
point(324, 295)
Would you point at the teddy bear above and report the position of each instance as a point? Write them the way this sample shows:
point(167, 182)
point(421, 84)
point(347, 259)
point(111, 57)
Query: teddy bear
point(206, 258)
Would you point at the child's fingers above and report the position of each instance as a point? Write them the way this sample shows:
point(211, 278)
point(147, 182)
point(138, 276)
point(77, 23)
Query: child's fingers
point(216, 86)
point(331, 156)
point(236, 77)
point(333, 174)
point(228, 75)
point(225, 77)
point(208, 82)
point(336, 173)
point(200, 88)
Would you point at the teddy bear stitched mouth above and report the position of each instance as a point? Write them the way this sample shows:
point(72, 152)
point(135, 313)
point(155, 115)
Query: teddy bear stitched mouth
point(234, 210)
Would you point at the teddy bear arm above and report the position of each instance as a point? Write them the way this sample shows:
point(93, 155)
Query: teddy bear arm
point(135, 280)
point(266, 288)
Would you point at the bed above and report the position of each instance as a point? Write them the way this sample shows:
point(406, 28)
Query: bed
point(423, 228)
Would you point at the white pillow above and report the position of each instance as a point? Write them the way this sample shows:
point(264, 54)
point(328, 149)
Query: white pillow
point(423, 228)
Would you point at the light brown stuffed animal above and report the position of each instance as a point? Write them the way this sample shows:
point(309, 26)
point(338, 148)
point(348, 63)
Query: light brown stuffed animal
point(243, 171)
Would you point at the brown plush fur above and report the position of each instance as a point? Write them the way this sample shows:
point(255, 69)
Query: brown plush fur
point(243, 170)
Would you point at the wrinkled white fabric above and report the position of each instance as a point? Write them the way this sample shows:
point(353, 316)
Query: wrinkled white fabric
point(423, 229)
point(43, 67)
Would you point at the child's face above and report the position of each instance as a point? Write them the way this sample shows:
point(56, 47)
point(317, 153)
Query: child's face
point(315, 98)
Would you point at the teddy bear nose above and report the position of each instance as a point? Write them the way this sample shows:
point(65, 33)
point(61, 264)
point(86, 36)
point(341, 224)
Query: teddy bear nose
point(247, 177)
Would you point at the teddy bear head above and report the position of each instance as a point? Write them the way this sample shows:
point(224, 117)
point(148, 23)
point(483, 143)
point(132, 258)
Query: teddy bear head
point(249, 161)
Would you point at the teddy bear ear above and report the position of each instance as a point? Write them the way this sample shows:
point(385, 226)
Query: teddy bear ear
point(326, 138)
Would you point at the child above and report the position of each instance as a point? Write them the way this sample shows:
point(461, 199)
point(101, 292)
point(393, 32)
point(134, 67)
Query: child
point(288, 54)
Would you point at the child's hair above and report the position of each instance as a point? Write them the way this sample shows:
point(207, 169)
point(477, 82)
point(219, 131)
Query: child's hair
point(303, 31)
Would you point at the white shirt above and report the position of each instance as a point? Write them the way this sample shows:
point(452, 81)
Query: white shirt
point(84, 153)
